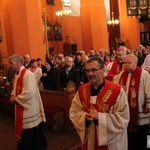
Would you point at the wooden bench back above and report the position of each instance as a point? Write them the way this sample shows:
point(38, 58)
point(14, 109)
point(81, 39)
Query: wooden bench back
point(58, 99)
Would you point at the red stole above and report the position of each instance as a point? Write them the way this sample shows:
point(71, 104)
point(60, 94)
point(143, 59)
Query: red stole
point(19, 108)
point(116, 69)
point(106, 98)
point(132, 96)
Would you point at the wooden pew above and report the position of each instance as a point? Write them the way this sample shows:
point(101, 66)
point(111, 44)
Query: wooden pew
point(57, 101)
point(7, 96)
point(5, 104)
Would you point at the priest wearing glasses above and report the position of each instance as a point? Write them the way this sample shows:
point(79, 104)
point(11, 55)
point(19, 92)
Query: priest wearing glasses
point(100, 111)
point(29, 112)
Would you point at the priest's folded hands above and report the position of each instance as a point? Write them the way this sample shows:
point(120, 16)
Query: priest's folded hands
point(92, 115)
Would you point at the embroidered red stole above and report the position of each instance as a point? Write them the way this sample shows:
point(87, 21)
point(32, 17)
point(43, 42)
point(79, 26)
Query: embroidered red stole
point(116, 69)
point(132, 96)
point(105, 100)
point(19, 108)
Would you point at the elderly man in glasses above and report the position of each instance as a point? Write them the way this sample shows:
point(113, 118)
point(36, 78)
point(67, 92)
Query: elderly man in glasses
point(99, 111)
point(136, 83)
point(29, 112)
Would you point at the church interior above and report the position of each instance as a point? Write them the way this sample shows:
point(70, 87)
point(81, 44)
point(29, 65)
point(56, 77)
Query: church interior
point(40, 27)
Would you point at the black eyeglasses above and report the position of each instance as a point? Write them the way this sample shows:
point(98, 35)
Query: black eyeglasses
point(93, 70)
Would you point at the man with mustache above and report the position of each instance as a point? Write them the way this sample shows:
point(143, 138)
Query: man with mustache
point(99, 111)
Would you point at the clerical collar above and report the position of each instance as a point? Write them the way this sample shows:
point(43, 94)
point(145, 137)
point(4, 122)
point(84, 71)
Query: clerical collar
point(121, 62)
point(95, 91)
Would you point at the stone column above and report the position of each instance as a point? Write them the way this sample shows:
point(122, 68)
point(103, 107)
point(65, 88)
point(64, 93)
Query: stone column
point(94, 25)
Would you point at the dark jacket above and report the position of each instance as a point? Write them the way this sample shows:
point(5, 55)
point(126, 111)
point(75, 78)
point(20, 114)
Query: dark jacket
point(73, 75)
point(50, 81)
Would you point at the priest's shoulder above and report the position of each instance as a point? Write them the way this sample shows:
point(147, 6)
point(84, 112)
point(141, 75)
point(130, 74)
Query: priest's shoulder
point(85, 85)
point(112, 85)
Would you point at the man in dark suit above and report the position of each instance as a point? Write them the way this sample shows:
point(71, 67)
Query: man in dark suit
point(27, 61)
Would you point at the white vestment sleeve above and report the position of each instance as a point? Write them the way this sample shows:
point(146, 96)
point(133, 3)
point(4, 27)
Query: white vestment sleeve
point(77, 116)
point(146, 63)
point(28, 86)
point(112, 125)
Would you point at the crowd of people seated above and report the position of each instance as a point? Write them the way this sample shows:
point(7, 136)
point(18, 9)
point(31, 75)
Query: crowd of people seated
point(62, 68)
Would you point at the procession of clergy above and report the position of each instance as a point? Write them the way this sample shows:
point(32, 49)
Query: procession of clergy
point(111, 108)
point(108, 117)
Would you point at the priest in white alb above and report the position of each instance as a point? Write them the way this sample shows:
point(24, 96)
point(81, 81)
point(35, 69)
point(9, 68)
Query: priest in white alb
point(100, 111)
point(29, 112)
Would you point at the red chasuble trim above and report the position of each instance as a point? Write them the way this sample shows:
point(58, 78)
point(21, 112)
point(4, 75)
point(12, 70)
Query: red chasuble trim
point(105, 100)
point(19, 108)
point(132, 96)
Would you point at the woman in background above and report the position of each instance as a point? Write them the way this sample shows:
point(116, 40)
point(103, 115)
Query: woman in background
point(108, 63)
point(69, 73)
point(36, 71)
point(49, 77)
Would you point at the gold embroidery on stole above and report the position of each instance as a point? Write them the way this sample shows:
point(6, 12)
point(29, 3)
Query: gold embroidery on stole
point(120, 69)
point(133, 102)
point(85, 101)
point(102, 106)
